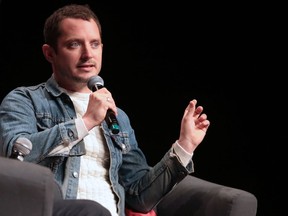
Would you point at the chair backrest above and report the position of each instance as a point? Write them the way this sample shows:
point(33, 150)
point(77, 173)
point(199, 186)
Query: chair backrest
point(26, 189)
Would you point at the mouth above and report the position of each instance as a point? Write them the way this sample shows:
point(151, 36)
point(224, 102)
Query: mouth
point(86, 67)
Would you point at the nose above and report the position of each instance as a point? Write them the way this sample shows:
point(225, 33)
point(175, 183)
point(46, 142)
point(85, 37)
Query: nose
point(87, 51)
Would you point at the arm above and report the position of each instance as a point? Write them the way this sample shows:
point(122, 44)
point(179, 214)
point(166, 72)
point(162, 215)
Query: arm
point(34, 114)
point(146, 187)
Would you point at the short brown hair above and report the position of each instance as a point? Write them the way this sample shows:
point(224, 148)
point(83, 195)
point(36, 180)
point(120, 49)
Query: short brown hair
point(51, 27)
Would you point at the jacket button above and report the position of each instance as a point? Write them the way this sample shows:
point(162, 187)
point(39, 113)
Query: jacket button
point(75, 174)
point(70, 133)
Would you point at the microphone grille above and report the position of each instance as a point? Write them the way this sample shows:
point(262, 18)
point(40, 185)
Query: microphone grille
point(95, 81)
point(23, 145)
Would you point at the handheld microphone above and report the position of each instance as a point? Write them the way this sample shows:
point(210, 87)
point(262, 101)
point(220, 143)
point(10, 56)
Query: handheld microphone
point(95, 83)
point(21, 148)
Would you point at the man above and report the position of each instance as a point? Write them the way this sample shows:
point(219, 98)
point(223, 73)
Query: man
point(65, 121)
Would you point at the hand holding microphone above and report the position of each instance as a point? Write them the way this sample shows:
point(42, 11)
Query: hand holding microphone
point(95, 83)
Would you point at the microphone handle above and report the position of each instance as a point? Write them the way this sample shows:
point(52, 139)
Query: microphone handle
point(112, 121)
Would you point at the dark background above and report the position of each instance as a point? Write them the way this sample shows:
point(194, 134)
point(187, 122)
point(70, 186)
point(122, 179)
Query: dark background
point(158, 57)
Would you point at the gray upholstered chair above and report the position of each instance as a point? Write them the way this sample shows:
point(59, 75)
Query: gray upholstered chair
point(30, 189)
point(25, 189)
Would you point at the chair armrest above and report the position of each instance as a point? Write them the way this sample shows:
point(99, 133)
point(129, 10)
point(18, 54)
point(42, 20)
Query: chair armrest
point(198, 197)
point(26, 189)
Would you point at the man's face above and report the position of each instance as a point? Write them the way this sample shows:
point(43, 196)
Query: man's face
point(79, 52)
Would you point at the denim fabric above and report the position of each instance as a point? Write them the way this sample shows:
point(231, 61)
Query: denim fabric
point(45, 115)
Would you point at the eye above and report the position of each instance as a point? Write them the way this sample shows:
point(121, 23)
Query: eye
point(74, 44)
point(95, 44)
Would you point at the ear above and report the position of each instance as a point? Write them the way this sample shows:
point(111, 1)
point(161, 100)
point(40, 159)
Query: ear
point(48, 52)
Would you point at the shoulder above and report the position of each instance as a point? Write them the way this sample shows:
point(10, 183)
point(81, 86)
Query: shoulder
point(22, 92)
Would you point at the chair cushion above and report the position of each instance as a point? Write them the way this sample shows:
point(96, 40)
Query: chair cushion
point(130, 212)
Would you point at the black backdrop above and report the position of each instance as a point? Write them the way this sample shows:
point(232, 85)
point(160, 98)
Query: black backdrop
point(156, 59)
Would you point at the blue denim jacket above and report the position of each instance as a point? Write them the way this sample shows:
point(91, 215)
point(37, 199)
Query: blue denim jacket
point(46, 116)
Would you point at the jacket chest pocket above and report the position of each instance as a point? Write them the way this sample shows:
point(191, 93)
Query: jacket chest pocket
point(121, 142)
point(46, 120)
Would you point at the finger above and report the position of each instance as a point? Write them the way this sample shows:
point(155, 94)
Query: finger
point(109, 99)
point(204, 125)
point(198, 111)
point(203, 117)
point(111, 104)
point(191, 106)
